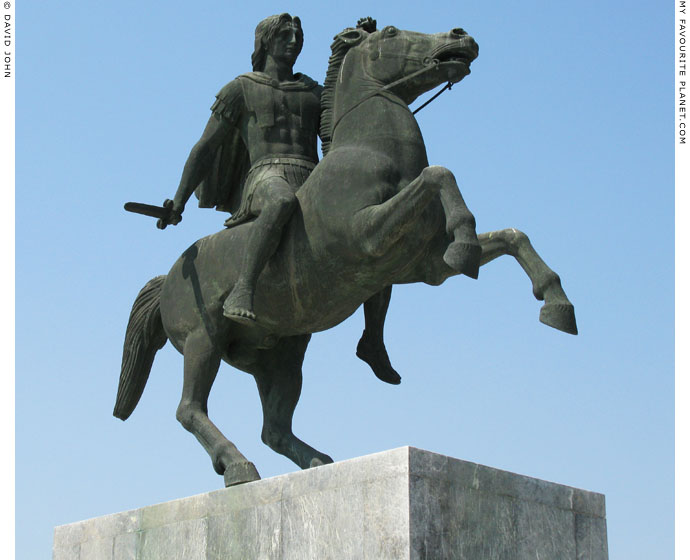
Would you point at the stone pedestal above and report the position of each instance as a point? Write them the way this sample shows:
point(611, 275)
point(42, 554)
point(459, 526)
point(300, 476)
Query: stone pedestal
point(399, 504)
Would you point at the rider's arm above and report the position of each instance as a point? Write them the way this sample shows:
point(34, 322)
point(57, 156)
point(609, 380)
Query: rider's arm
point(227, 111)
point(200, 159)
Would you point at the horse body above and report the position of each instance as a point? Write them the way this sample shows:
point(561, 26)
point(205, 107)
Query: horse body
point(371, 214)
point(291, 298)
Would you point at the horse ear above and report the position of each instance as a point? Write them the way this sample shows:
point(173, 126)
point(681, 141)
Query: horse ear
point(352, 37)
point(367, 23)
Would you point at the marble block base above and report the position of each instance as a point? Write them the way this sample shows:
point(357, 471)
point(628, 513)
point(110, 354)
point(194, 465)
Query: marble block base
point(399, 504)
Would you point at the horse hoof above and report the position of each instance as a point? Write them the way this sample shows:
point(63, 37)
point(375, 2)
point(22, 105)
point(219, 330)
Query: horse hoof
point(464, 258)
point(560, 316)
point(239, 473)
point(316, 462)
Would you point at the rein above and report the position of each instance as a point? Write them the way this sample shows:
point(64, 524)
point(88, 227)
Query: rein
point(385, 91)
point(431, 64)
point(448, 87)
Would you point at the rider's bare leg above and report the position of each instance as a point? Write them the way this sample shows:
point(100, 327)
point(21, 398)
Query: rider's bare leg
point(371, 348)
point(274, 201)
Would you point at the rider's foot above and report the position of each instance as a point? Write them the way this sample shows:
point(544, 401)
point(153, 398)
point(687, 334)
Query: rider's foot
point(238, 305)
point(376, 356)
point(464, 257)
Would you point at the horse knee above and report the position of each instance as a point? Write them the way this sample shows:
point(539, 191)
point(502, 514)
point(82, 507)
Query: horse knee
point(514, 240)
point(518, 237)
point(187, 415)
point(436, 174)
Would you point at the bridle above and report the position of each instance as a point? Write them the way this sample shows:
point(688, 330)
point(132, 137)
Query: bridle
point(429, 64)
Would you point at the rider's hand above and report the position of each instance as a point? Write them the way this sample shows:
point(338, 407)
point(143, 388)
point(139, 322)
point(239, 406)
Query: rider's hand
point(175, 216)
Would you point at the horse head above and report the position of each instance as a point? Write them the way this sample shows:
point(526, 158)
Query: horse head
point(366, 62)
point(411, 63)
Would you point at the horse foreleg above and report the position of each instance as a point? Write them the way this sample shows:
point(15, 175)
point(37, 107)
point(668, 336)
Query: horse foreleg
point(201, 363)
point(557, 311)
point(278, 374)
point(382, 225)
point(463, 253)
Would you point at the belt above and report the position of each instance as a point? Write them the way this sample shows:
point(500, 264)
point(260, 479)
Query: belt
point(298, 161)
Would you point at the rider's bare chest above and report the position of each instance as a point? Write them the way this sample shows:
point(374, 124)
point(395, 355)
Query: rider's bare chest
point(284, 109)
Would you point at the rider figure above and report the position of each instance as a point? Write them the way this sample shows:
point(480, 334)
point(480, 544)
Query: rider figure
point(258, 148)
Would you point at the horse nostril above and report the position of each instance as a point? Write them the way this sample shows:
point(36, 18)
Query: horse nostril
point(458, 31)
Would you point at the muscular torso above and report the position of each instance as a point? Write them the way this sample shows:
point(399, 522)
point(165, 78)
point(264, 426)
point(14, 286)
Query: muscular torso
point(271, 118)
point(293, 131)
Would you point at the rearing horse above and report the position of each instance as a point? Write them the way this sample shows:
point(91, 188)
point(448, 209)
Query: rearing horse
point(373, 213)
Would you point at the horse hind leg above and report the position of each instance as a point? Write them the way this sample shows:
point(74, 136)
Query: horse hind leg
point(557, 311)
point(278, 374)
point(201, 363)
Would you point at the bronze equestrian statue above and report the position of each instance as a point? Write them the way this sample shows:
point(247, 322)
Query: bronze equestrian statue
point(371, 214)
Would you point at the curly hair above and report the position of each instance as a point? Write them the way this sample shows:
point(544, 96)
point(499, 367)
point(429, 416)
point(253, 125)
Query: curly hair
point(264, 34)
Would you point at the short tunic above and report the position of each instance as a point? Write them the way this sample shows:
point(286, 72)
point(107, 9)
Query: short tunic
point(293, 169)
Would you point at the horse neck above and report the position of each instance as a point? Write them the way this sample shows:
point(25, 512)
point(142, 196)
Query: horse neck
point(364, 111)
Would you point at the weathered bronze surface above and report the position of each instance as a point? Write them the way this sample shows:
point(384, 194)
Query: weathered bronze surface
point(301, 259)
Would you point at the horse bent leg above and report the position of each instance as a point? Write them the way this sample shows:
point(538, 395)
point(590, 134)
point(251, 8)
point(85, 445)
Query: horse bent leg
point(201, 363)
point(384, 224)
point(463, 253)
point(278, 374)
point(557, 311)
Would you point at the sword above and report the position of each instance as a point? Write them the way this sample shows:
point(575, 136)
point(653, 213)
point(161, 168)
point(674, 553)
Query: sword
point(163, 213)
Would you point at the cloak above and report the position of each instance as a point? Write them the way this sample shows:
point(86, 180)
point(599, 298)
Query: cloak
point(222, 187)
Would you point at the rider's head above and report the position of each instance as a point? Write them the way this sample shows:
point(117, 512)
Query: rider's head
point(267, 30)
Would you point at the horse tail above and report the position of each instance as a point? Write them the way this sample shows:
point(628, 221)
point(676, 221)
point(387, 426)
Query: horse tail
point(144, 337)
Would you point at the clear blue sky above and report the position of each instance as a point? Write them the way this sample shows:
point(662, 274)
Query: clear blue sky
point(564, 130)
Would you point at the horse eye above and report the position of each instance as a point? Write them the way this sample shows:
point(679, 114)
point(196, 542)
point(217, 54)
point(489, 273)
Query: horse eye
point(390, 31)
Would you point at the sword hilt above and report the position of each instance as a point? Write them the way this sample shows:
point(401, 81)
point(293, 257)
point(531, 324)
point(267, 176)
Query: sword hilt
point(164, 214)
point(168, 205)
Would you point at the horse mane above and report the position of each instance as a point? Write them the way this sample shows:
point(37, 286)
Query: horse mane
point(339, 49)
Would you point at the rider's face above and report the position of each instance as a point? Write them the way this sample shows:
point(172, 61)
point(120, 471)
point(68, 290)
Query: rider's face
point(284, 46)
